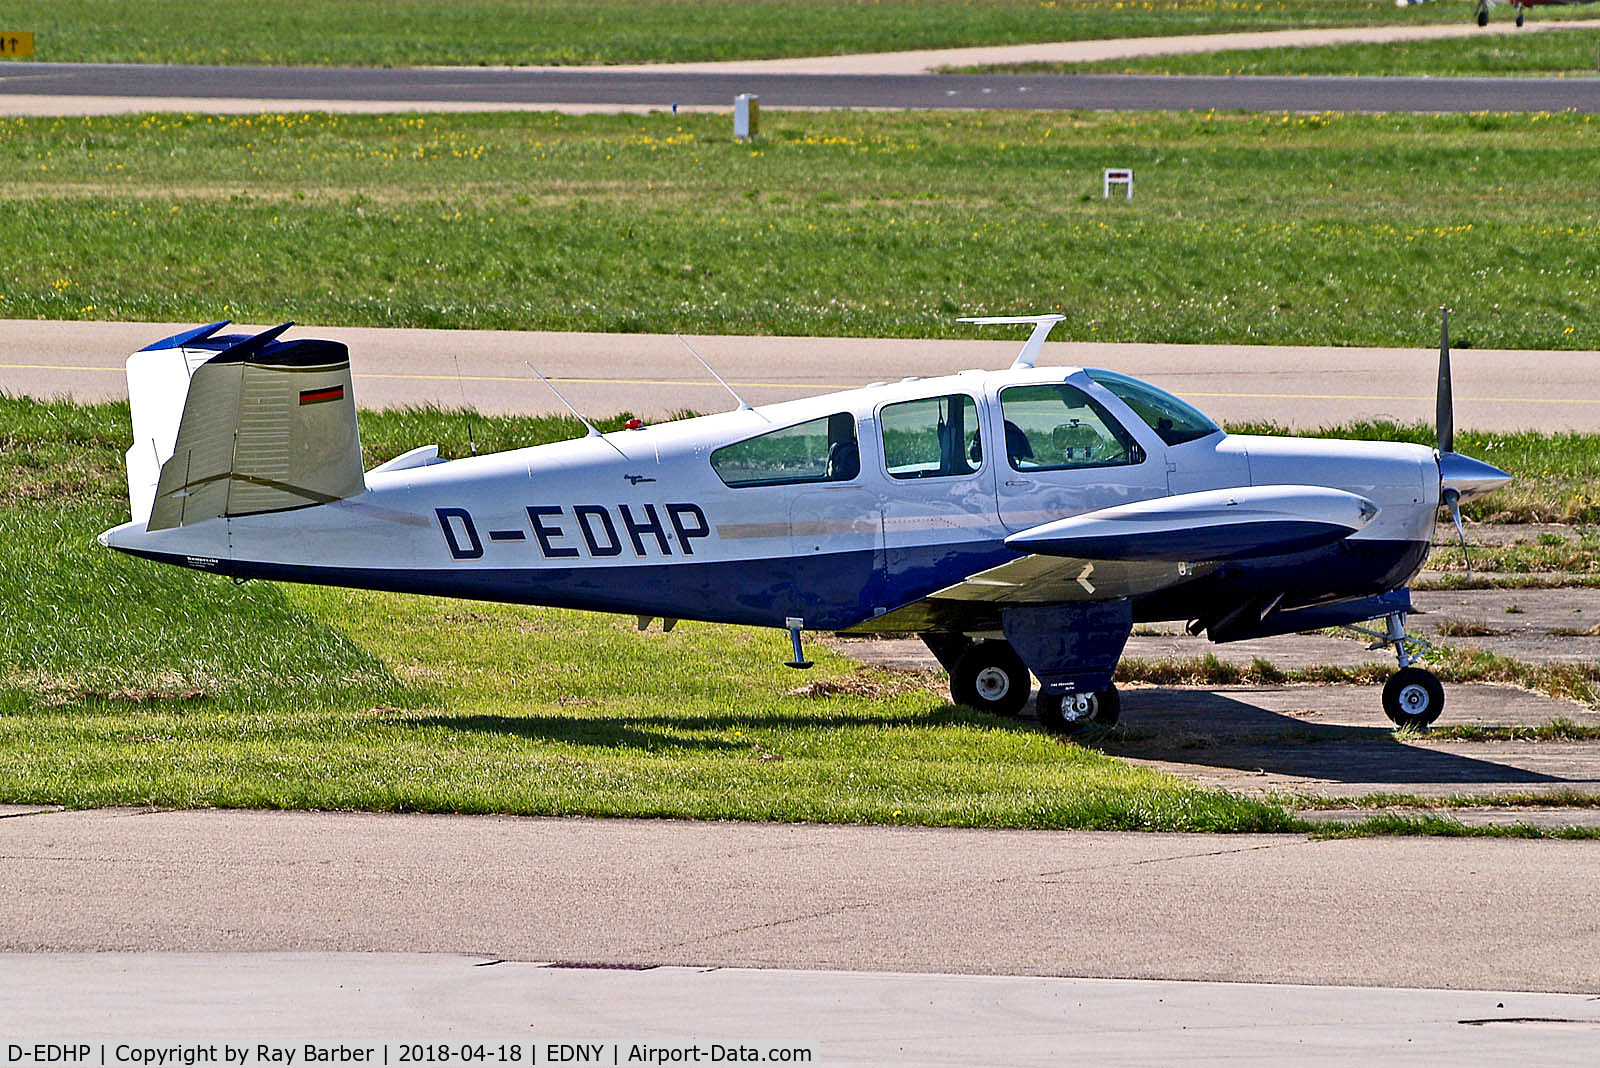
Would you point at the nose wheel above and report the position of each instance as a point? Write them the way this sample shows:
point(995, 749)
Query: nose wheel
point(1413, 696)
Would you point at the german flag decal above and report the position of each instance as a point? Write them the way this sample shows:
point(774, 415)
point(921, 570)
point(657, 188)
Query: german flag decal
point(318, 396)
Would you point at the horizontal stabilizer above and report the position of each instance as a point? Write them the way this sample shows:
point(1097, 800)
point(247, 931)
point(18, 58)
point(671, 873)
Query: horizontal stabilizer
point(1223, 524)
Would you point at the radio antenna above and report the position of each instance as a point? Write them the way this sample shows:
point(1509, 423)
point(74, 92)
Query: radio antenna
point(594, 432)
point(744, 405)
point(466, 410)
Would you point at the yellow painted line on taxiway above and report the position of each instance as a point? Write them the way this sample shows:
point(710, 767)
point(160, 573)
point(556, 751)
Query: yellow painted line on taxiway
point(839, 386)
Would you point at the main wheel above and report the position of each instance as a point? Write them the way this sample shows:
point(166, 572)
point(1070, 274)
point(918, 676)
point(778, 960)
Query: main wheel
point(1413, 698)
point(1068, 713)
point(991, 677)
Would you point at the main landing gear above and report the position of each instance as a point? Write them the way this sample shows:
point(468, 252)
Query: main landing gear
point(990, 677)
point(1413, 696)
point(1068, 713)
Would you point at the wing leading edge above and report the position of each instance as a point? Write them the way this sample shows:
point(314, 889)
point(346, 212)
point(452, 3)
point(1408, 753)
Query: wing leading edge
point(1135, 549)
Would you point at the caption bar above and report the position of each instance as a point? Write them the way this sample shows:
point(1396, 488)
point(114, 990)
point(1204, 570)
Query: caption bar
point(262, 1054)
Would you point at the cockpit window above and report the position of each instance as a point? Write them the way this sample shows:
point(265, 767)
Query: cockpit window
point(1055, 426)
point(823, 450)
point(932, 437)
point(1174, 421)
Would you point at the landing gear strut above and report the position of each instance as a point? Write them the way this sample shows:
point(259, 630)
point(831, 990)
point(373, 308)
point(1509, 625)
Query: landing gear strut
point(1413, 696)
point(1068, 713)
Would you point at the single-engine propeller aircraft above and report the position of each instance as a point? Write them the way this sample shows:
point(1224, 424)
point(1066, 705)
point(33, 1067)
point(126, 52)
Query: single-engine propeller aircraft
point(1483, 6)
point(1018, 520)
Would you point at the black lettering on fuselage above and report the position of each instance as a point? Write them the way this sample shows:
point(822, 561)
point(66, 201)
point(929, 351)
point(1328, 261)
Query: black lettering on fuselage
point(545, 532)
point(474, 548)
point(596, 526)
point(636, 529)
point(613, 544)
point(701, 529)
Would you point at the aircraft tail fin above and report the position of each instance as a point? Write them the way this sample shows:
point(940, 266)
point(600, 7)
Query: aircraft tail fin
point(235, 425)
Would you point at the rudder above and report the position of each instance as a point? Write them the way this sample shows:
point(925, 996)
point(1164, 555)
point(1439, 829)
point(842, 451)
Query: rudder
point(236, 425)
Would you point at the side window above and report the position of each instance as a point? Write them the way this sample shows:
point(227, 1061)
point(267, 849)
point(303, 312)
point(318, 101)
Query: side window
point(823, 450)
point(1055, 426)
point(932, 437)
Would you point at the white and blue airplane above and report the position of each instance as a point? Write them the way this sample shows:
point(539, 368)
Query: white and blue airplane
point(1017, 521)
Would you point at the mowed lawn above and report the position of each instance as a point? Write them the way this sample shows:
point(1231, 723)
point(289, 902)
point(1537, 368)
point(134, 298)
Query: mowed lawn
point(133, 683)
point(127, 682)
point(401, 33)
point(1567, 53)
point(1326, 229)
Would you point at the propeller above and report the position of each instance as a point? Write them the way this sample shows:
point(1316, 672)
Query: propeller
point(1460, 477)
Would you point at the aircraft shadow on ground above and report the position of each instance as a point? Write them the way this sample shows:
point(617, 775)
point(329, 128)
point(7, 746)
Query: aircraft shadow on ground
point(1219, 730)
point(663, 730)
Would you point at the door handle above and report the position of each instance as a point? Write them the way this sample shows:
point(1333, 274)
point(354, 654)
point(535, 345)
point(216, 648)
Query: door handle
point(1018, 482)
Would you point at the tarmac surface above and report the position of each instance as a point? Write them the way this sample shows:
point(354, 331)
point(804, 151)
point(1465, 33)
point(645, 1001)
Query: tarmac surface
point(90, 88)
point(1443, 913)
point(873, 80)
point(652, 375)
point(378, 1001)
point(933, 60)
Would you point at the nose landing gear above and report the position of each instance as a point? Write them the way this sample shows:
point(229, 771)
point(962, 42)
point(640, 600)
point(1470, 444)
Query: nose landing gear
point(1413, 696)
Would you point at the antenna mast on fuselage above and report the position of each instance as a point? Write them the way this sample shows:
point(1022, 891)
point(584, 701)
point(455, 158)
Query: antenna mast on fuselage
point(744, 405)
point(594, 432)
point(1042, 325)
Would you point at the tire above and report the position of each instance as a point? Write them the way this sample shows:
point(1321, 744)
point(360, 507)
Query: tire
point(991, 677)
point(1413, 698)
point(1062, 713)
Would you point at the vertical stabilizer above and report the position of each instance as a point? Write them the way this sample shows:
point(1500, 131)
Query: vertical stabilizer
point(235, 425)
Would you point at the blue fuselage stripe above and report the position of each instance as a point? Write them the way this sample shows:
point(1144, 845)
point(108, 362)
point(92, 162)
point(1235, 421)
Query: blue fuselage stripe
point(832, 591)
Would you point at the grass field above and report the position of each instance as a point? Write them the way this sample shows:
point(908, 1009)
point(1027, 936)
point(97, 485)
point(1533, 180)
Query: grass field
point(1573, 53)
point(471, 32)
point(125, 682)
point(1259, 229)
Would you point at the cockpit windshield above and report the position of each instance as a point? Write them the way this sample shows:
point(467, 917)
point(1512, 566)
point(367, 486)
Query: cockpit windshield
point(1173, 420)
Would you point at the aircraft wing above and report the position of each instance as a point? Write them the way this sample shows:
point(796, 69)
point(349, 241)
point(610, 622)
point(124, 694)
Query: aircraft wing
point(1136, 549)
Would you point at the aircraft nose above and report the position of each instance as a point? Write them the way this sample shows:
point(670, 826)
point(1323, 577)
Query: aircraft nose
point(1468, 477)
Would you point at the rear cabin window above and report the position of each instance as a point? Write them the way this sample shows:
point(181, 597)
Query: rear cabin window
point(1173, 420)
point(1057, 426)
point(930, 438)
point(823, 450)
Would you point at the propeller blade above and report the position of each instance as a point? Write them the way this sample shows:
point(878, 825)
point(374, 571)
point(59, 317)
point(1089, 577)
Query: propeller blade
point(1452, 498)
point(1445, 416)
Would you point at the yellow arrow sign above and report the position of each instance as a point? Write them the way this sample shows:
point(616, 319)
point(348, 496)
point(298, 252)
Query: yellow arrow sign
point(15, 44)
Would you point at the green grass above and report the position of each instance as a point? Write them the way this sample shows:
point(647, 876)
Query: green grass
point(470, 32)
point(1290, 229)
point(1451, 663)
point(1565, 53)
point(126, 682)
point(1392, 823)
point(1577, 556)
